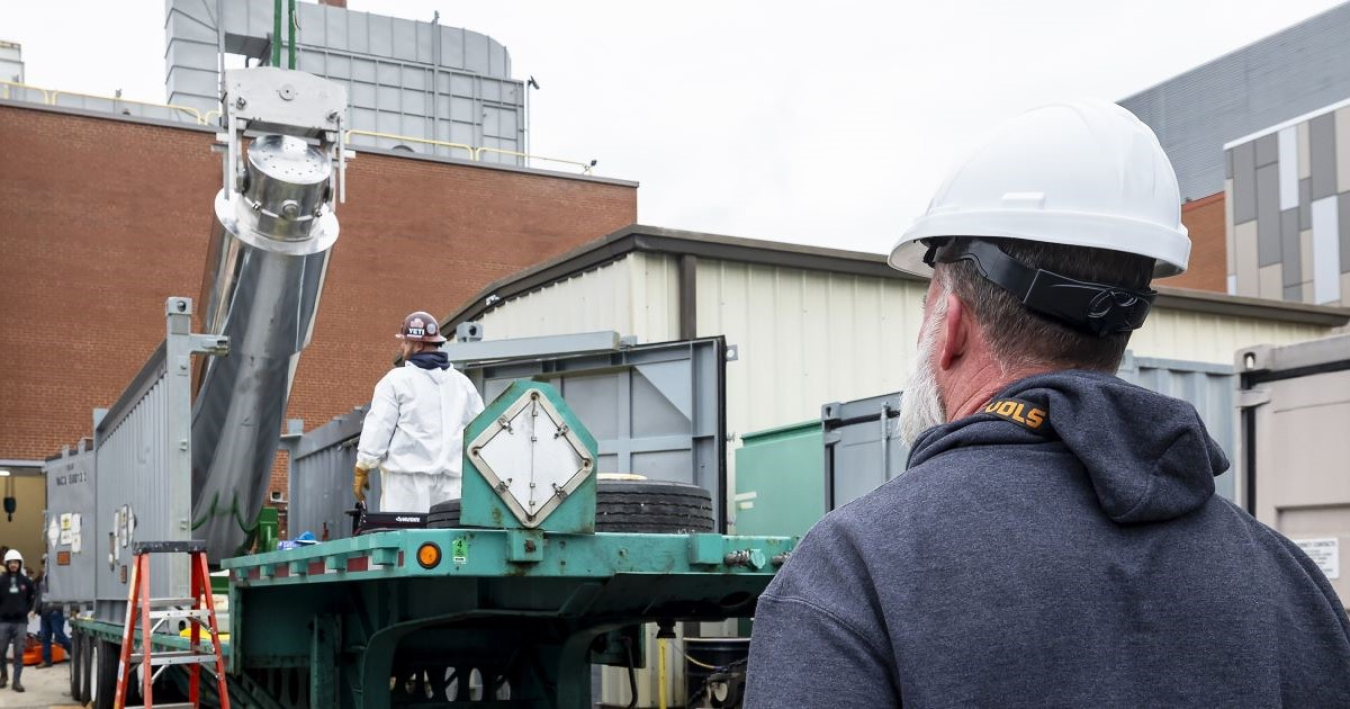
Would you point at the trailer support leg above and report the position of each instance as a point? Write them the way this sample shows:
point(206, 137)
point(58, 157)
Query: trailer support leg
point(323, 658)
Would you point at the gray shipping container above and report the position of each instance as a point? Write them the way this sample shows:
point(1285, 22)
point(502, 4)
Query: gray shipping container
point(134, 484)
point(1295, 423)
point(70, 526)
point(655, 410)
point(862, 438)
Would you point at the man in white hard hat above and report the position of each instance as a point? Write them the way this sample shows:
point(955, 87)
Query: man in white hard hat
point(1056, 540)
point(17, 596)
point(414, 430)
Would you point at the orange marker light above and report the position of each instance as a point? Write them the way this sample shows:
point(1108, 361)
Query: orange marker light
point(428, 555)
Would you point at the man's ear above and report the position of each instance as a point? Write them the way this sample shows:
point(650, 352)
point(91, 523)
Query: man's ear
point(955, 332)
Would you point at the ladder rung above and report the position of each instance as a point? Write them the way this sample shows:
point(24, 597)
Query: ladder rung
point(187, 705)
point(171, 602)
point(175, 658)
point(199, 613)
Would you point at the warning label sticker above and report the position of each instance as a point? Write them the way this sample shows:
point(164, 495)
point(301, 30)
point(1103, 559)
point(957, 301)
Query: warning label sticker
point(1326, 553)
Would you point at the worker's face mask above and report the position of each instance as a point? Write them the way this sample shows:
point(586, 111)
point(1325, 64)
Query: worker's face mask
point(921, 406)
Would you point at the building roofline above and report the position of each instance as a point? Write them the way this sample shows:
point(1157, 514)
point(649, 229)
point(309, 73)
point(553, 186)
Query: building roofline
point(358, 149)
point(650, 239)
point(1239, 50)
point(1330, 108)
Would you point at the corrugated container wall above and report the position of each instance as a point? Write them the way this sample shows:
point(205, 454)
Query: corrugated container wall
point(73, 544)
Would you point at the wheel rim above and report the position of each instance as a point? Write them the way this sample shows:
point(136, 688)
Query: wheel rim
point(93, 665)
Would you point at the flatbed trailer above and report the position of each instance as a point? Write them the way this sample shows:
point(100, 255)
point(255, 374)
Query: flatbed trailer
point(395, 618)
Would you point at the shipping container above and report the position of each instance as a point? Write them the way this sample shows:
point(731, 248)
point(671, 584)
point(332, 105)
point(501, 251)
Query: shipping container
point(778, 487)
point(1295, 424)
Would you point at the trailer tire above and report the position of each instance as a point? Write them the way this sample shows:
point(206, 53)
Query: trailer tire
point(107, 655)
point(641, 506)
point(87, 670)
point(76, 654)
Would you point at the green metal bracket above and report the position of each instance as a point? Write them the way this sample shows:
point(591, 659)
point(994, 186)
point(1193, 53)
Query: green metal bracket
point(706, 549)
point(483, 490)
point(525, 545)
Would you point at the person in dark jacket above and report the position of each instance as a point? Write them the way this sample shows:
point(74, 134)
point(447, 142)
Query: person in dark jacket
point(17, 596)
point(1056, 540)
point(53, 620)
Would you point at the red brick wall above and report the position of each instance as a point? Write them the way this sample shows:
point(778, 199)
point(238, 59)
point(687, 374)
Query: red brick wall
point(1208, 269)
point(102, 219)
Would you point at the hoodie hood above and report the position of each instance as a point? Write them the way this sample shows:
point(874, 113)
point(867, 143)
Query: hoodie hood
point(430, 360)
point(1148, 456)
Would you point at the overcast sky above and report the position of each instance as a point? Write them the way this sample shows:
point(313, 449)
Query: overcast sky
point(821, 123)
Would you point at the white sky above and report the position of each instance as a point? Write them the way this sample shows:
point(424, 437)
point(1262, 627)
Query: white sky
point(820, 123)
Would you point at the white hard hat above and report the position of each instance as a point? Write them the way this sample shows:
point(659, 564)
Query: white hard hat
point(13, 555)
point(1083, 173)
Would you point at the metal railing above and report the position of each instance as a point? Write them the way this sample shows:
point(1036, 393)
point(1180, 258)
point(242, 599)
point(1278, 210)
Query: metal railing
point(472, 153)
point(420, 141)
point(116, 104)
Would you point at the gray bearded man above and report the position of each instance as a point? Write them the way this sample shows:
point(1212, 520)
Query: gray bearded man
point(1056, 540)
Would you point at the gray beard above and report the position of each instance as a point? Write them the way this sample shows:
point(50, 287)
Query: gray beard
point(921, 405)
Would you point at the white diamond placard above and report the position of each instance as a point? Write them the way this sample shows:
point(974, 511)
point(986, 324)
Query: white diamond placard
point(531, 458)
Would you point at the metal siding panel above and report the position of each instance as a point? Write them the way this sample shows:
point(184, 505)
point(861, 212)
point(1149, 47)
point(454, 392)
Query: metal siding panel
point(1344, 223)
point(1305, 204)
point(1268, 215)
point(1326, 250)
point(1267, 150)
point(1322, 139)
point(1343, 148)
point(70, 491)
point(1304, 152)
point(1272, 282)
point(1290, 257)
point(1288, 162)
point(1306, 257)
point(1202, 337)
point(1244, 182)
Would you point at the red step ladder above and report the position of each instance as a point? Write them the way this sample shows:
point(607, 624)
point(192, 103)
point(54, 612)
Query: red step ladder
point(152, 613)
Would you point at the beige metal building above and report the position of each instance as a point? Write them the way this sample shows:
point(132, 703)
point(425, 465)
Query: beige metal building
point(811, 325)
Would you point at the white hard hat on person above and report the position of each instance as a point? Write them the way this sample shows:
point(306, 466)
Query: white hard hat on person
point(1078, 173)
point(13, 555)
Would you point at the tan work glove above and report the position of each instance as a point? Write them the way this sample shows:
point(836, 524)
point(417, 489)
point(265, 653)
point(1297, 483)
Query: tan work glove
point(360, 483)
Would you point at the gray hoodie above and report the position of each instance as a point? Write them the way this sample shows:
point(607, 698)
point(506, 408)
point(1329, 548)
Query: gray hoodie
point(1080, 561)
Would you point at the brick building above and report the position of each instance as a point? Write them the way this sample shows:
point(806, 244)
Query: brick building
point(102, 217)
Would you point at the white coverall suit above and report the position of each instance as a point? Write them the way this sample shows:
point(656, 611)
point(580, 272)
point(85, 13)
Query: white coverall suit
point(414, 433)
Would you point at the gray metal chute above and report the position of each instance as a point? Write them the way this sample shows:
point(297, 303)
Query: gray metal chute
point(275, 228)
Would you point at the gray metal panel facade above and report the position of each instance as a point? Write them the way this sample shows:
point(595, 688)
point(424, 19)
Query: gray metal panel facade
point(403, 77)
point(856, 461)
point(655, 410)
point(1321, 277)
point(1285, 75)
point(72, 559)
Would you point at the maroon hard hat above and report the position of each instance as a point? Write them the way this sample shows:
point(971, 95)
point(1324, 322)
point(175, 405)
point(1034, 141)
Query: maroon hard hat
point(421, 327)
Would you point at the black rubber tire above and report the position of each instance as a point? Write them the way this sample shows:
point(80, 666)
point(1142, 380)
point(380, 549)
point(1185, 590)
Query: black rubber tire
point(86, 669)
point(105, 674)
point(642, 506)
point(76, 661)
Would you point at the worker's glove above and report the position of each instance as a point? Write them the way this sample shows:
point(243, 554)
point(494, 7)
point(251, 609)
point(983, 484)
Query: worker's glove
point(360, 483)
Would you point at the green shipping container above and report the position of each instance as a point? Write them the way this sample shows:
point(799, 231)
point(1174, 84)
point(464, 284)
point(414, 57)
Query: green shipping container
point(780, 480)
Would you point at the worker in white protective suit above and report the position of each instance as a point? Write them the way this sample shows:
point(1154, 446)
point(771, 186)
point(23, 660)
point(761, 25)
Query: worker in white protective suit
point(414, 431)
